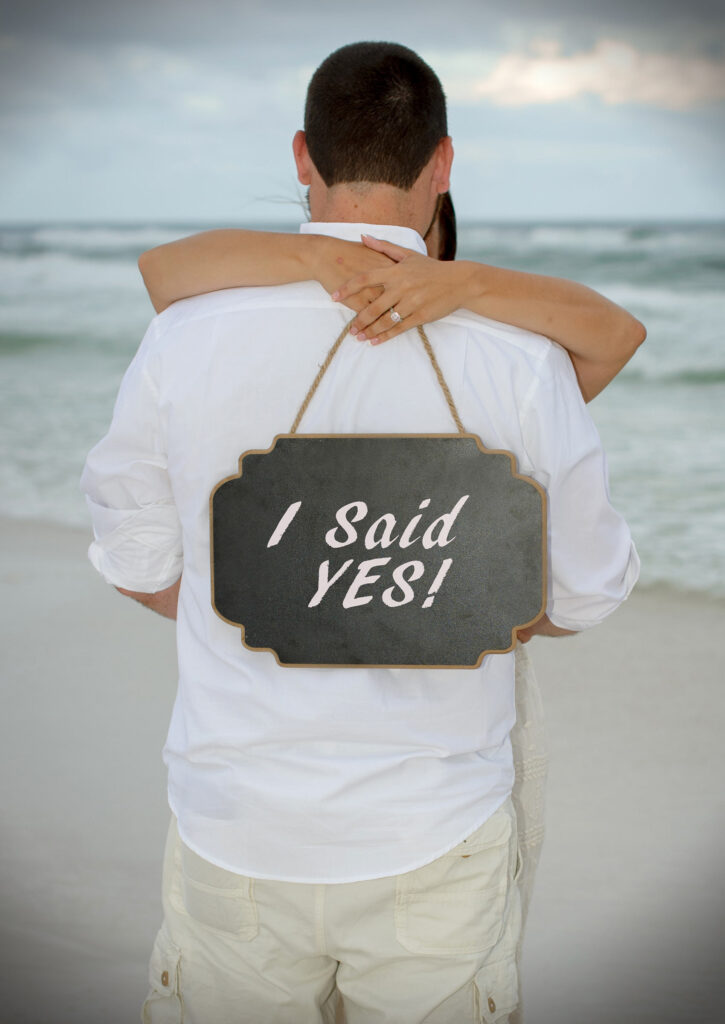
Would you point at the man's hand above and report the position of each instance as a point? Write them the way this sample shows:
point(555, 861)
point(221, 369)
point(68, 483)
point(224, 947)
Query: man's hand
point(542, 627)
point(164, 602)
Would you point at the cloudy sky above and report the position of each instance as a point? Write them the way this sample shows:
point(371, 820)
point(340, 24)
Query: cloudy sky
point(175, 110)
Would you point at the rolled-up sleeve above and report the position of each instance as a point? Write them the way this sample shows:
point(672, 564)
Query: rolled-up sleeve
point(593, 563)
point(137, 535)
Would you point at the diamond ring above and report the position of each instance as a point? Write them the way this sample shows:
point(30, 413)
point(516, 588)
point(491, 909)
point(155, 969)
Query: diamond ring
point(395, 316)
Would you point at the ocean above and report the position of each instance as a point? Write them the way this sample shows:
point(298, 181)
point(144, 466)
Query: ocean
point(74, 310)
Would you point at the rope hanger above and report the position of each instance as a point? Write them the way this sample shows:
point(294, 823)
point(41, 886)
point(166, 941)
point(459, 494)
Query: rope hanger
point(331, 355)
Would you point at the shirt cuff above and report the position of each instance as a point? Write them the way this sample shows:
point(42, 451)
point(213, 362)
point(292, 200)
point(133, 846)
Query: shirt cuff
point(137, 549)
point(596, 610)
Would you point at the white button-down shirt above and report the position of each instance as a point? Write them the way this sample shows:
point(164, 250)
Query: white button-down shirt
point(334, 775)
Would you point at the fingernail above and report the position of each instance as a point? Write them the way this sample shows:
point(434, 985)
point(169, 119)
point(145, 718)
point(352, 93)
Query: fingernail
point(361, 337)
point(375, 341)
point(354, 330)
point(335, 296)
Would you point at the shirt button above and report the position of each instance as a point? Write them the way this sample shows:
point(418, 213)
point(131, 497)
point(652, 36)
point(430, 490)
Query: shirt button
point(165, 981)
point(491, 1004)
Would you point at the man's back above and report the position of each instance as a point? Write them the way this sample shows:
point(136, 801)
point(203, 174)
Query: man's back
point(372, 772)
point(365, 776)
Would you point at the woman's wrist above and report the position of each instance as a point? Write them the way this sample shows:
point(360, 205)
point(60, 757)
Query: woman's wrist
point(469, 284)
point(314, 253)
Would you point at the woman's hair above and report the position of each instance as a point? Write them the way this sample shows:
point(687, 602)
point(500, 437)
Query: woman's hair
point(441, 237)
point(447, 232)
point(375, 112)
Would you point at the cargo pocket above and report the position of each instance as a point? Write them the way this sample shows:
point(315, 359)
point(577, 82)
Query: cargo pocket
point(456, 905)
point(164, 1004)
point(497, 992)
point(217, 898)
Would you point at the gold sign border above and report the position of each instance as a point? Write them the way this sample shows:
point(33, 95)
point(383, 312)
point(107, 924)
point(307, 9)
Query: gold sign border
point(485, 450)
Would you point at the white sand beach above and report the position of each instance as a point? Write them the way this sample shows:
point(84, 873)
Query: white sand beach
point(626, 923)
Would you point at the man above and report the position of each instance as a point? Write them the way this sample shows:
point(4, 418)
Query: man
point(339, 830)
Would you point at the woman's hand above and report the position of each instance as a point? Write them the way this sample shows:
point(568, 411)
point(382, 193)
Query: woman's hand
point(418, 288)
point(333, 262)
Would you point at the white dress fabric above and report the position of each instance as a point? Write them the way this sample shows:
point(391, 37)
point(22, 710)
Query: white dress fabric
point(531, 767)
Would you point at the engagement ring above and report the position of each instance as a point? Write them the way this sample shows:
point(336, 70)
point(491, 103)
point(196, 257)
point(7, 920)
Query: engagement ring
point(395, 316)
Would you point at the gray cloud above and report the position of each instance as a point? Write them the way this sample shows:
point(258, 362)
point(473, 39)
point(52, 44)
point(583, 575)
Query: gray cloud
point(49, 50)
point(230, 24)
point(613, 70)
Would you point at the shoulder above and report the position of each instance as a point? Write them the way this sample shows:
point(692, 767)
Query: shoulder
point(199, 309)
point(503, 336)
point(536, 369)
point(535, 356)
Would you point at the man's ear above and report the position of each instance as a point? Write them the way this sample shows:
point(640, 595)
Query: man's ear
point(442, 165)
point(302, 158)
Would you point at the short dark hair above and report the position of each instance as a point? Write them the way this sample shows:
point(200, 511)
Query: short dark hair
point(375, 112)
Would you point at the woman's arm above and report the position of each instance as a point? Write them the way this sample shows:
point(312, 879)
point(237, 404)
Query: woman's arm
point(230, 258)
point(599, 335)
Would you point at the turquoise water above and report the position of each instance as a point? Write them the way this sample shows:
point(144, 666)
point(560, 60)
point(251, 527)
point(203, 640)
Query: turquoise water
point(73, 309)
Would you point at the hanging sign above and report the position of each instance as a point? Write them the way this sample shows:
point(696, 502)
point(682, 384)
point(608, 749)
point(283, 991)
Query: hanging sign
point(385, 550)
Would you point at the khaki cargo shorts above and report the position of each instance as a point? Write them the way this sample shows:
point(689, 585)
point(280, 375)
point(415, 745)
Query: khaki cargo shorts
point(435, 945)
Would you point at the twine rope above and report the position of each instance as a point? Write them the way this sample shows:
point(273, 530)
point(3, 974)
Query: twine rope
point(331, 355)
point(441, 380)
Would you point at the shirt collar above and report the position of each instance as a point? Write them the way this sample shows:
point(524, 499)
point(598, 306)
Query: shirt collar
point(351, 232)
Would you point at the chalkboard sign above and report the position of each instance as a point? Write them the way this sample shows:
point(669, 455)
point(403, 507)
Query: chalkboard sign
point(386, 550)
